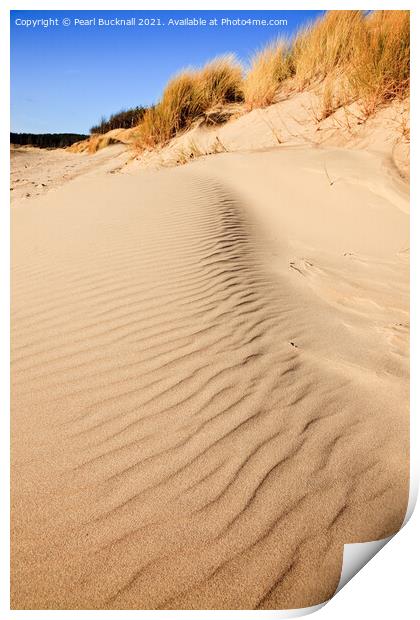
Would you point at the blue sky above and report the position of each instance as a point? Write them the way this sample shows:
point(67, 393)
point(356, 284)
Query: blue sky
point(63, 79)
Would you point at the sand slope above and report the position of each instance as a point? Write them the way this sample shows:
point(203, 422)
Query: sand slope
point(35, 172)
point(210, 370)
point(296, 121)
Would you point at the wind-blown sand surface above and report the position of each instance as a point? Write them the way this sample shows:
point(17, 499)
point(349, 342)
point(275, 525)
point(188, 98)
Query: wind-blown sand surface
point(210, 380)
point(35, 171)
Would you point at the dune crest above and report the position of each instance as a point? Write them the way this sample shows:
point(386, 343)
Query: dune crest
point(209, 381)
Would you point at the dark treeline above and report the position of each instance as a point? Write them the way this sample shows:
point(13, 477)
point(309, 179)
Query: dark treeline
point(121, 120)
point(46, 140)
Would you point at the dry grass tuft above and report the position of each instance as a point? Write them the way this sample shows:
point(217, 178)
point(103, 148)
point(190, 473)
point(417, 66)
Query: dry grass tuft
point(360, 57)
point(187, 153)
point(180, 105)
point(326, 46)
point(188, 96)
point(94, 143)
point(349, 55)
point(334, 93)
point(220, 82)
point(269, 67)
point(380, 68)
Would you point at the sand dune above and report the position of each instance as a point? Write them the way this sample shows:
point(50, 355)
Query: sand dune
point(210, 369)
point(35, 172)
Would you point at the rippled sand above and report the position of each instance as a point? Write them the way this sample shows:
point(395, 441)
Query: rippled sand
point(210, 382)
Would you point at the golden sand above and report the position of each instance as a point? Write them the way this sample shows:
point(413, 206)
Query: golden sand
point(210, 380)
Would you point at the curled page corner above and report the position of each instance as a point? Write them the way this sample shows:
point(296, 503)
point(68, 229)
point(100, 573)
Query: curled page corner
point(413, 494)
point(305, 611)
point(356, 556)
point(295, 613)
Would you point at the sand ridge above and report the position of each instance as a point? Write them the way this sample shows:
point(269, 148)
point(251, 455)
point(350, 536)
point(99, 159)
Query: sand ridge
point(209, 398)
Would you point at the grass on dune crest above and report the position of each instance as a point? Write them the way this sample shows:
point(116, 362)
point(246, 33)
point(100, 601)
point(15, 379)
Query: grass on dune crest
point(269, 67)
point(356, 56)
point(326, 46)
point(353, 56)
point(179, 105)
point(380, 70)
point(221, 81)
point(188, 95)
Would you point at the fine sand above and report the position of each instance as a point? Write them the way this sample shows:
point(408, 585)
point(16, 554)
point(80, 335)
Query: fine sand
point(33, 172)
point(210, 379)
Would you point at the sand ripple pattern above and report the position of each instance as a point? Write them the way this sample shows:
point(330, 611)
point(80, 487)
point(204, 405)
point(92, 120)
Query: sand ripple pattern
point(181, 452)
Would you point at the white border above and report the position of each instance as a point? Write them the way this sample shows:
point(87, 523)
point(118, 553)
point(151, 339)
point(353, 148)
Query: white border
point(396, 563)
